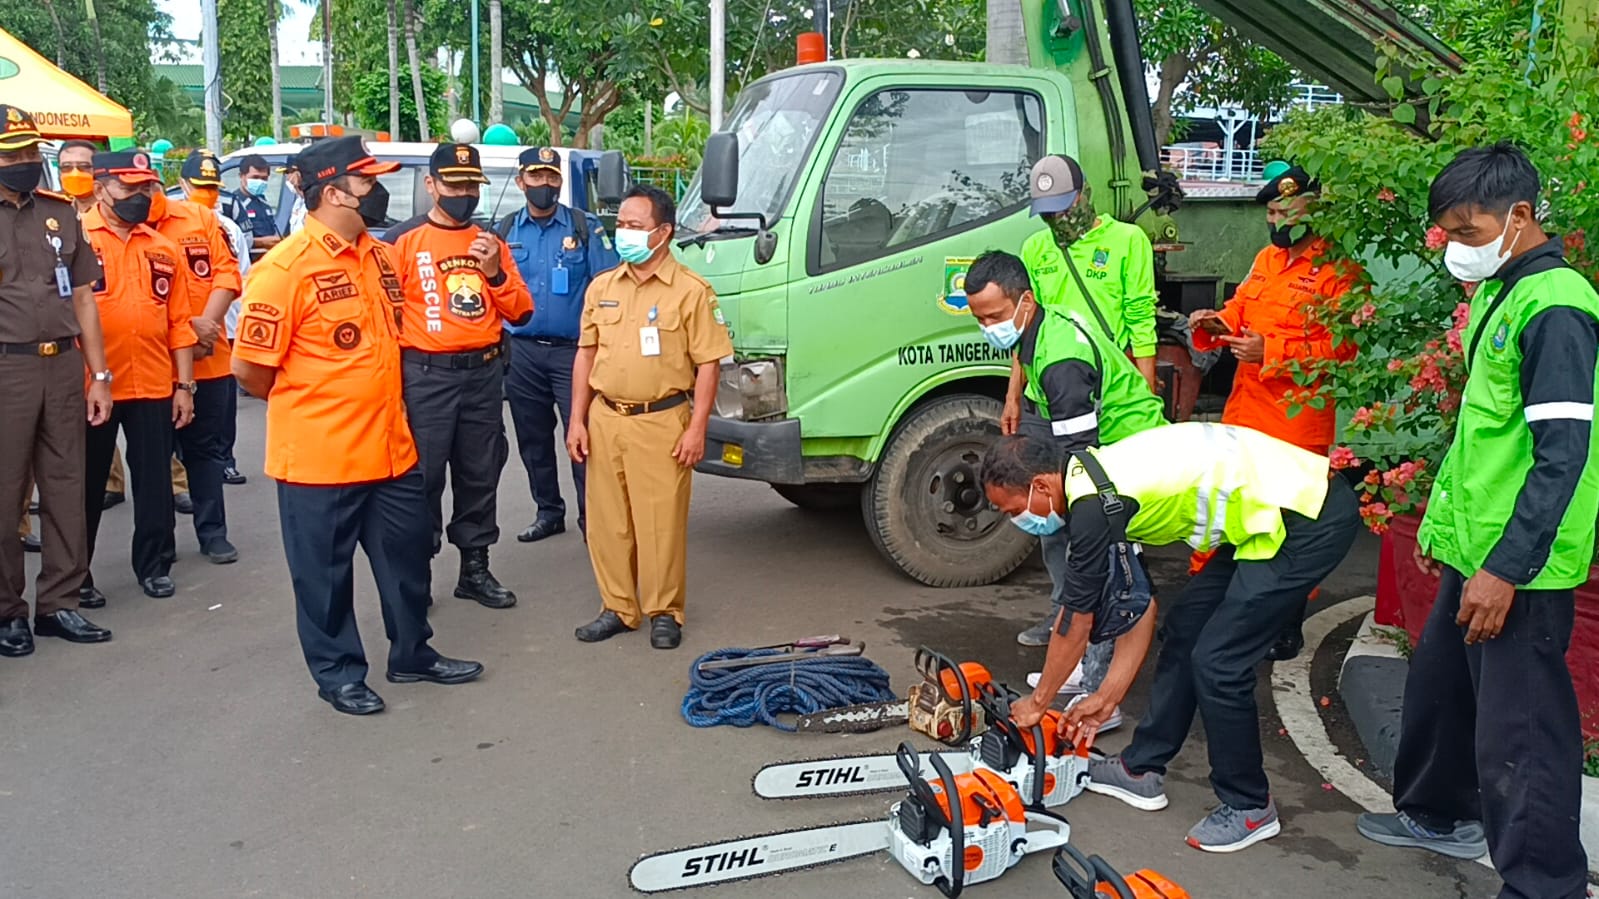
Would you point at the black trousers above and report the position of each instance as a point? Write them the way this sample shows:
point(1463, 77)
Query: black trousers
point(146, 425)
point(538, 386)
point(1218, 632)
point(1491, 733)
point(42, 434)
point(203, 450)
point(456, 417)
point(321, 527)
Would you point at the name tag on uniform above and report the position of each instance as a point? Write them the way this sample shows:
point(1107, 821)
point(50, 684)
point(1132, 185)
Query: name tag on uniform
point(63, 280)
point(560, 281)
point(649, 341)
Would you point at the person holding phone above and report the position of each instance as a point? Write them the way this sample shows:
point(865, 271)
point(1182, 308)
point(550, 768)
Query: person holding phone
point(1271, 321)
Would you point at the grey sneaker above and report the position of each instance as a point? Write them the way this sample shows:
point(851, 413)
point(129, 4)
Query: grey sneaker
point(1109, 777)
point(1467, 840)
point(1228, 829)
point(1038, 634)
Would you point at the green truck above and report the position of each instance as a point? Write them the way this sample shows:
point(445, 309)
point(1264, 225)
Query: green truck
point(835, 217)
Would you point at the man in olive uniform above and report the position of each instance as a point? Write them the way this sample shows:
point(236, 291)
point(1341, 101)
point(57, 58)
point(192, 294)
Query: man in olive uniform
point(651, 332)
point(49, 337)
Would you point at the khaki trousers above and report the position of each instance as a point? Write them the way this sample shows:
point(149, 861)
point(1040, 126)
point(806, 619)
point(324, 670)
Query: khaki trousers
point(115, 483)
point(638, 511)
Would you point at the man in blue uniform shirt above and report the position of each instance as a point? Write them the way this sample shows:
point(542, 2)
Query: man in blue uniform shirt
point(558, 250)
point(248, 206)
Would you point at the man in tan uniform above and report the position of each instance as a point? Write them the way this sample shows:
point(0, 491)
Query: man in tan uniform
point(651, 332)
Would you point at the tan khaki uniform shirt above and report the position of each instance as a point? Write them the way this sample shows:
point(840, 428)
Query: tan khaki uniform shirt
point(674, 300)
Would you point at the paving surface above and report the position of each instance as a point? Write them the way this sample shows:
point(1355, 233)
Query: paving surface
point(190, 757)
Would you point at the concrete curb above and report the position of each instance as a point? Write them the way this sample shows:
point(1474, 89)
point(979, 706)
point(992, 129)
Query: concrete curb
point(1371, 682)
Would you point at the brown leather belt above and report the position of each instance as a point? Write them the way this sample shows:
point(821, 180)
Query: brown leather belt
point(472, 359)
point(670, 402)
point(46, 348)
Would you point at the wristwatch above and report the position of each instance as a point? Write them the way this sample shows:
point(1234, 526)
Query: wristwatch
point(103, 377)
point(189, 386)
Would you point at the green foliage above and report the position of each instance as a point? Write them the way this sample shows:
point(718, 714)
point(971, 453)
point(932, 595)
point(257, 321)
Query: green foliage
point(1406, 314)
point(1590, 758)
point(168, 112)
point(370, 101)
point(247, 77)
point(1398, 637)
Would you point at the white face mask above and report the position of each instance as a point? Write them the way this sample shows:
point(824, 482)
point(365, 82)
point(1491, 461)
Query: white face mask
point(1473, 264)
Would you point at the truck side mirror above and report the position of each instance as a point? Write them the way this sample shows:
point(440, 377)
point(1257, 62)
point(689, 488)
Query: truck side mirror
point(613, 177)
point(719, 170)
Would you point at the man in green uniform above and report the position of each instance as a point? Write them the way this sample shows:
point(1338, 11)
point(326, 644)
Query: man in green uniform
point(1080, 391)
point(1490, 744)
point(1283, 525)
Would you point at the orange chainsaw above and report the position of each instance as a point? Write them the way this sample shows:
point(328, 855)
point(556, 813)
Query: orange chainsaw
point(943, 706)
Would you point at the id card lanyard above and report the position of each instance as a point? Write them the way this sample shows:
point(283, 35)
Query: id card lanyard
point(63, 277)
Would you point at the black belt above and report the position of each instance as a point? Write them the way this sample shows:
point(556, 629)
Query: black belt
point(472, 359)
point(45, 348)
point(670, 402)
point(548, 341)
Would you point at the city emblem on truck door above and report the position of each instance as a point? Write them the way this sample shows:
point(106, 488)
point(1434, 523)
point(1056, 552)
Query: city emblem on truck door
point(952, 298)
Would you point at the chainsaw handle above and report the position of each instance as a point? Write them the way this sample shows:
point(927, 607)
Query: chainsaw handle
point(932, 665)
point(1081, 875)
point(951, 886)
point(910, 765)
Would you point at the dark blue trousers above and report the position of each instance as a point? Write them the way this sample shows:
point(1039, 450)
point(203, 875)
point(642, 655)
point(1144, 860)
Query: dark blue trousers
point(321, 526)
point(538, 385)
point(203, 449)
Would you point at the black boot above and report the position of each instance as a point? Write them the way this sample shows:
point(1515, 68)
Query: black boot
point(1288, 644)
point(478, 583)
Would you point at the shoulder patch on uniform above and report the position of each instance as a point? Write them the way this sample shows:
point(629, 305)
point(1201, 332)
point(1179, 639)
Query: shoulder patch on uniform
point(258, 309)
point(259, 333)
point(52, 195)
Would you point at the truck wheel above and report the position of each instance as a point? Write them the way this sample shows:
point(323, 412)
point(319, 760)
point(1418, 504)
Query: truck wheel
point(820, 497)
point(925, 506)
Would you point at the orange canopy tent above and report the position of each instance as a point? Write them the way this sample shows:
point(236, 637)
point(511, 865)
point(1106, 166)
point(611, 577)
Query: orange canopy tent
point(62, 106)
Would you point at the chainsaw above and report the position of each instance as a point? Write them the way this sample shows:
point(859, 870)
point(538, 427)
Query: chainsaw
point(1093, 878)
point(952, 832)
point(1042, 766)
point(943, 706)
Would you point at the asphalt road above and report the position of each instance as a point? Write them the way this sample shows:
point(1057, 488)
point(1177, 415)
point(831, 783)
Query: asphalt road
point(190, 757)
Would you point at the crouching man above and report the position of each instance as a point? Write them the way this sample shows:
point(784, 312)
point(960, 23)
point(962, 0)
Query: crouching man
point(1281, 526)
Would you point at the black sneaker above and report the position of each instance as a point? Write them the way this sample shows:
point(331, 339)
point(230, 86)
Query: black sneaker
point(220, 551)
point(231, 475)
point(183, 504)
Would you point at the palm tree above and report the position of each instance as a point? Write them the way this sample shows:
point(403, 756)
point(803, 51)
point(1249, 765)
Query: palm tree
point(273, 12)
point(423, 131)
point(496, 64)
point(394, 71)
point(1007, 41)
point(99, 46)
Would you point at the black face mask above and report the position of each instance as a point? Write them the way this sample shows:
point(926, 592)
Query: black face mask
point(21, 178)
point(374, 205)
point(1283, 236)
point(459, 209)
point(543, 196)
point(134, 210)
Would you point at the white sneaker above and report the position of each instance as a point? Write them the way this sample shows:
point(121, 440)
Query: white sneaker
point(1110, 724)
point(1074, 684)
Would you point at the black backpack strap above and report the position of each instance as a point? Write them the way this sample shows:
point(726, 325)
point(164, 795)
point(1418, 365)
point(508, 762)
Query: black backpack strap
point(580, 224)
point(1115, 509)
point(1099, 361)
point(1088, 297)
point(506, 224)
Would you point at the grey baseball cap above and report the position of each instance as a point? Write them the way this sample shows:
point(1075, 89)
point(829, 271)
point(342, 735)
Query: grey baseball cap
point(1056, 182)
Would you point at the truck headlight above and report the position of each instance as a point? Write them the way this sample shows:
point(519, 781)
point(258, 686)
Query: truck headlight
point(748, 391)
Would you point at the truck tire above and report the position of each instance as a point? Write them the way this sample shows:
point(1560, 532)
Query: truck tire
point(821, 497)
point(925, 507)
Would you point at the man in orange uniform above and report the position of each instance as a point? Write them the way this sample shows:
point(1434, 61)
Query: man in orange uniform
point(460, 283)
point(144, 311)
point(1269, 323)
point(319, 338)
point(212, 275)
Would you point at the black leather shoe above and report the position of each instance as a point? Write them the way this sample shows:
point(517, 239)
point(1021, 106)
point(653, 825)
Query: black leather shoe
point(665, 633)
point(220, 551)
point(544, 527)
point(31, 544)
point(608, 625)
point(443, 671)
point(158, 587)
point(16, 640)
point(353, 699)
point(230, 475)
point(113, 499)
point(479, 584)
point(90, 598)
point(183, 504)
point(70, 626)
point(1287, 646)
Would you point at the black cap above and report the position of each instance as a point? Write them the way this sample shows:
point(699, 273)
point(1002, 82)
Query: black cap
point(335, 157)
point(539, 158)
point(128, 166)
point(17, 131)
point(457, 164)
point(201, 169)
point(1284, 180)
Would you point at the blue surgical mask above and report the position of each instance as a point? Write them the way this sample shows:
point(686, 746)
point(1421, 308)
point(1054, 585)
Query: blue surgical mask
point(256, 187)
point(633, 245)
point(1003, 336)
point(1031, 522)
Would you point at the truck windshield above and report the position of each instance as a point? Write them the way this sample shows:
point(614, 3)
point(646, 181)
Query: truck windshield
point(776, 120)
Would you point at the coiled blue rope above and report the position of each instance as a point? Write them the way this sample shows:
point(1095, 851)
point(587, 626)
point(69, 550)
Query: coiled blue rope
point(758, 694)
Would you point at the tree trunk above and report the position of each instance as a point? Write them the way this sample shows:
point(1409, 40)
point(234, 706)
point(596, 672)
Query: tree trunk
point(327, 61)
point(394, 71)
point(1007, 40)
point(1173, 72)
point(423, 131)
point(273, 12)
point(496, 63)
point(61, 36)
point(99, 46)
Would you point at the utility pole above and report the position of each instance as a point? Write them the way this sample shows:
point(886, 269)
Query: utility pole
point(821, 23)
point(211, 56)
point(327, 60)
point(718, 61)
point(477, 91)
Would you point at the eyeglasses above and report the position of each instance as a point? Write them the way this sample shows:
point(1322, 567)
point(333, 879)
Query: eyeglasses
point(76, 166)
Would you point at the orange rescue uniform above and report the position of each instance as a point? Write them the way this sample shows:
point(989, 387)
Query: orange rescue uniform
point(1272, 302)
point(144, 312)
point(450, 305)
point(208, 256)
point(325, 313)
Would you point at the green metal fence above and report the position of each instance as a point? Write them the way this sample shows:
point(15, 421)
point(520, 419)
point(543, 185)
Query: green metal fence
point(673, 181)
